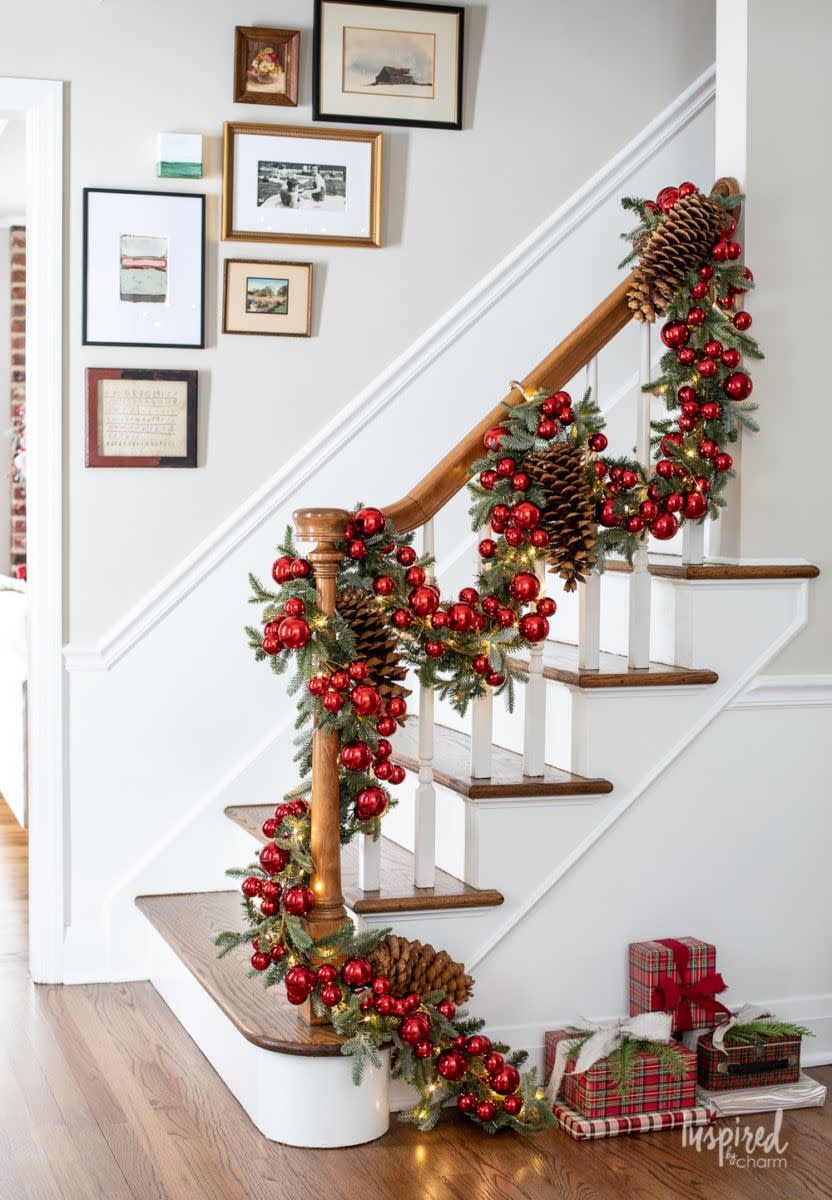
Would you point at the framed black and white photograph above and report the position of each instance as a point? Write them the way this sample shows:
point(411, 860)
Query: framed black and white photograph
point(144, 268)
point(267, 297)
point(384, 63)
point(284, 183)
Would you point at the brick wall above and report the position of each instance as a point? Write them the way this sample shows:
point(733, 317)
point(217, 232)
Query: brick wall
point(17, 310)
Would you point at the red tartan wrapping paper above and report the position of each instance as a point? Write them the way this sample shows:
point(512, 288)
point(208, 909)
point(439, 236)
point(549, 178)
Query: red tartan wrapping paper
point(594, 1094)
point(760, 1064)
point(582, 1129)
point(650, 961)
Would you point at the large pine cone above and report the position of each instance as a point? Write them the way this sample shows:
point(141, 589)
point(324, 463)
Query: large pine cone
point(375, 642)
point(568, 510)
point(682, 242)
point(412, 967)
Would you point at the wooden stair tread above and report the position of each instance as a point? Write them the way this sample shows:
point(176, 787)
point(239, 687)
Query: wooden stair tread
point(560, 662)
point(668, 566)
point(398, 893)
point(265, 1017)
point(452, 768)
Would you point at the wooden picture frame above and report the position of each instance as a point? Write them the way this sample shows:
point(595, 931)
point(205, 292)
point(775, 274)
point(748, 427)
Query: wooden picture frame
point(130, 234)
point(385, 62)
point(292, 183)
point(143, 417)
point(242, 313)
point(250, 43)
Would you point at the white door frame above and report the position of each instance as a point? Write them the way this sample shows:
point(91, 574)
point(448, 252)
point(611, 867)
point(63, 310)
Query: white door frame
point(40, 103)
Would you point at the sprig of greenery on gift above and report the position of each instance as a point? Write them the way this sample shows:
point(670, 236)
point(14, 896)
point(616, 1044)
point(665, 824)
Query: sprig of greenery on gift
point(622, 1060)
point(758, 1031)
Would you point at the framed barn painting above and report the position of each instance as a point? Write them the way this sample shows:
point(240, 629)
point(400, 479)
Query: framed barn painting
point(138, 418)
point(285, 183)
point(384, 63)
point(143, 268)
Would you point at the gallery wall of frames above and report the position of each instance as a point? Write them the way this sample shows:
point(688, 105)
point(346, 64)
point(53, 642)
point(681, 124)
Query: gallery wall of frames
point(375, 63)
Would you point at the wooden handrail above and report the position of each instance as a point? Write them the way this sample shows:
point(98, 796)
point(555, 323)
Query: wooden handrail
point(585, 341)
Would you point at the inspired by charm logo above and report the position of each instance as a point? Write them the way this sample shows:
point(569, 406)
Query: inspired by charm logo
point(741, 1145)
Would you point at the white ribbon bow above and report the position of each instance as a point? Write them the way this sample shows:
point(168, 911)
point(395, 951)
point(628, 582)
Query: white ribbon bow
point(650, 1027)
point(748, 1012)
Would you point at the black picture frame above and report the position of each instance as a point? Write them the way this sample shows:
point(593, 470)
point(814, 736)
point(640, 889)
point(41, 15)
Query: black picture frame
point(199, 198)
point(317, 112)
point(94, 458)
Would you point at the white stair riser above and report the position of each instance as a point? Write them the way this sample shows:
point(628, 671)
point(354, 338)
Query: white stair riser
point(296, 1099)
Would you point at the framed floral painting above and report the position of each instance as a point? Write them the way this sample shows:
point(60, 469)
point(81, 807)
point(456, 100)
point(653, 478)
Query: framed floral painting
point(266, 65)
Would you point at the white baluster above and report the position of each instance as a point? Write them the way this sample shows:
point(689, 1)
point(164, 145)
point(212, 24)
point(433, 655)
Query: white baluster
point(534, 720)
point(639, 633)
point(693, 542)
point(589, 623)
point(424, 843)
point(592, 378)
point(369, 863)
point(482, 722)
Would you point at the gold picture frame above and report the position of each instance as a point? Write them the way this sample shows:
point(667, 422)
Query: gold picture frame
point(260, 297)
point(329, 197)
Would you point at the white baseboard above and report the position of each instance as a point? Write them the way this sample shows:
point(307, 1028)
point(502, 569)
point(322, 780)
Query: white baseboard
point(431, 345)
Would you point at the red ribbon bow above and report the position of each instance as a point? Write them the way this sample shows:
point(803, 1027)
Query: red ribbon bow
point(677, 995)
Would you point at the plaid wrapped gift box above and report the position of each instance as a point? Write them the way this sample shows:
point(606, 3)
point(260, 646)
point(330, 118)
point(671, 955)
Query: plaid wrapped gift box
point(594, 1094)
point(771, 1060)
point(582, 1129)
point(676, 975)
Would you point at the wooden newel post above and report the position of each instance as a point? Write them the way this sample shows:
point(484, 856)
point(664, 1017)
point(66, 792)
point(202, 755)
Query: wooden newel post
point(324, 527)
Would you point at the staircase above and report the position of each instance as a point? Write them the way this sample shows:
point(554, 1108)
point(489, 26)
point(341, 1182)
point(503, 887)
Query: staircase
point(487, 826)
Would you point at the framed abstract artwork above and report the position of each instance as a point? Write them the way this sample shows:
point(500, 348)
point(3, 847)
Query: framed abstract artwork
point(266, 65)
point(138, 418)
point(284, 183)
point(267, 297)
point(143, 268)
point(385, 63)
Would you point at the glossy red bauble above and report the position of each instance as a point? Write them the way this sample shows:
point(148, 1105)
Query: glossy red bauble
point(695, 317)
point(567, 417)
point(686, 424)
point(370, 521)
point(384, 585)
point(606, 514)
point(282, 569)
point(706, 273)
point(546, 607)
point(634, 523)
point(439, 620)
point(487, 548)
point(720, 252)
point(340, 680)
point(699, 290)
point(298, 900)
point(486, 1110)
point(423, 601)
point(494, 436)
point(695, 506)
point(269, 827)
point(666, 198)
point(526, 514)
point(495, 679)
point(506, 617)
point(385, 1005)
point(461, 618)
point(713, 349)
point(299, 978)
point(675, 334)
point(506, 467)
point(294, 607)
point(414, 1029)
point(478, 1045)
point(401, 618)
point(381, 986)
point(466, 1102)
point(649, 509)
point(396, 707)
point(629, 479)
point(490, 605)
point(294, 633)
point(356, 549)
point(469, 595)
point(598, 443)
point(383, 769)
point(674, 502)
point(524, 587)
point(415, 576)
point(260, 961)
point(546, 428)
point(423, 1049)
point(273, 859)
point(326, 973)
point(664, 526)
point(487, 479)
point(277, 952)
point(406, 555)
point(506, 1080)
point(358, 671)
point(356, 972)
point(331, 994)
point(369, 803)
point(384, 749)
point(300, 568)
point(687, 188)
point(686, 355)
point(480, 664)
point(539, 538)
point(317, 685)
point(742, 321)
point(738, 386)
point(451, 1065)
point(534, 628)
point(268, 907)
point(599, 469)
point(734, 250)
point(493, 1062)
point(447, 1009)
point(723, 462)
point(386, 726)
point(434, 649)
point(520, 481)
point(333, 702)
point(513, 1105)
point(710, 411)
point(515, 537)
point(706, 368)
point(356, 756)
point(365, 700)
point(251, 886)
point(664, 469)
point(271, 645)
point(731, 357)
point(708, 448)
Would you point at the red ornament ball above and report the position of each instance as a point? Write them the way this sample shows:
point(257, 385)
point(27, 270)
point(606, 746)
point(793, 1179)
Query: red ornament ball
point(675, 334)
point(486, 1110)
point(686, 355)
point(506, 1080)
point(385, 1005)
point(547, 428)
point(451, 1065)
point(397, 707)
point(534, 628)
point(674, 502)
point(447, 1009)
point(356, 756)
point(340, 680)
point(738, 386)
point(271, 645)
point(487, 548)
point(461, 618)
point(282, 569)
point(666, 198)
point(370, 521)
point(524, 587)
point(480, 664)
point(434, 649)
point(513, 1105)
point(710, 411)
point(469, 595)
point(439, 620)
point(695, 317)
point(298, 900)
point(415, 576)
point(381, 986)
point(713, 349)
point(423, 601)
point(294, 633)
point(478, 1045)
point(333, 702)
point(251, 886)
point(664, 526)
point(358, 671)
point(598, 443)
point(268, 907)
point(277, 952)
point(383, 769)
point(495, 679)
point(520, 482)
point(723, 462)
point(467, 1102)
point(742, 321)
point(386, 726)
point(401, 618)
point(369, 803)
point(699, 290)
point(294, 607)
point(299, 979)
point(273, 859)
point(356, 549)
point(606, 514)
point(708, 448)
point(326, 973)
point(414, 1029)
point(487, 479)
point(356, 972)
point(384, 585)
point(546, 607)
point(383, 749)
point(515, 537)
point(506, 467)
point(331, 994)
point(365, 700)
point(706, 368)
point(493, 1062)
point(316, 685)
point(268, 827)
point(695, 505)
point(406, 555)
point(731, 357)
point(526, 514)
point(493, 437)
point(260, 961)
point(423, 1049)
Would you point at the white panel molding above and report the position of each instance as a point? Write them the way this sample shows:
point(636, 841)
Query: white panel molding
point(103, 654)
point(724, 699)
point(786, 691)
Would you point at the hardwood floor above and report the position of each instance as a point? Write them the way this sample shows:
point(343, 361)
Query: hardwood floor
point(102, 1094)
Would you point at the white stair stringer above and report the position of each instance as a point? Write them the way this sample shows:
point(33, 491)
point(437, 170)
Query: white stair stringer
point(301, 1100)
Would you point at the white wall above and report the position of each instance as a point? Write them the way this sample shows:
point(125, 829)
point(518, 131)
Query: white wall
point(785, 491)
point(12, 197)
point(551, 93)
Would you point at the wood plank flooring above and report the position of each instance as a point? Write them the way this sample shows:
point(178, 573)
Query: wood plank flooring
point(102, 1094)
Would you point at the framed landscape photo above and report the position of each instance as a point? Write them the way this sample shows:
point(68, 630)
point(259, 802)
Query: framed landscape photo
point(385, 63)
point(284, 183)
point(267, 297)
point(266, 65)
point(143, 268)
point(141, 418)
